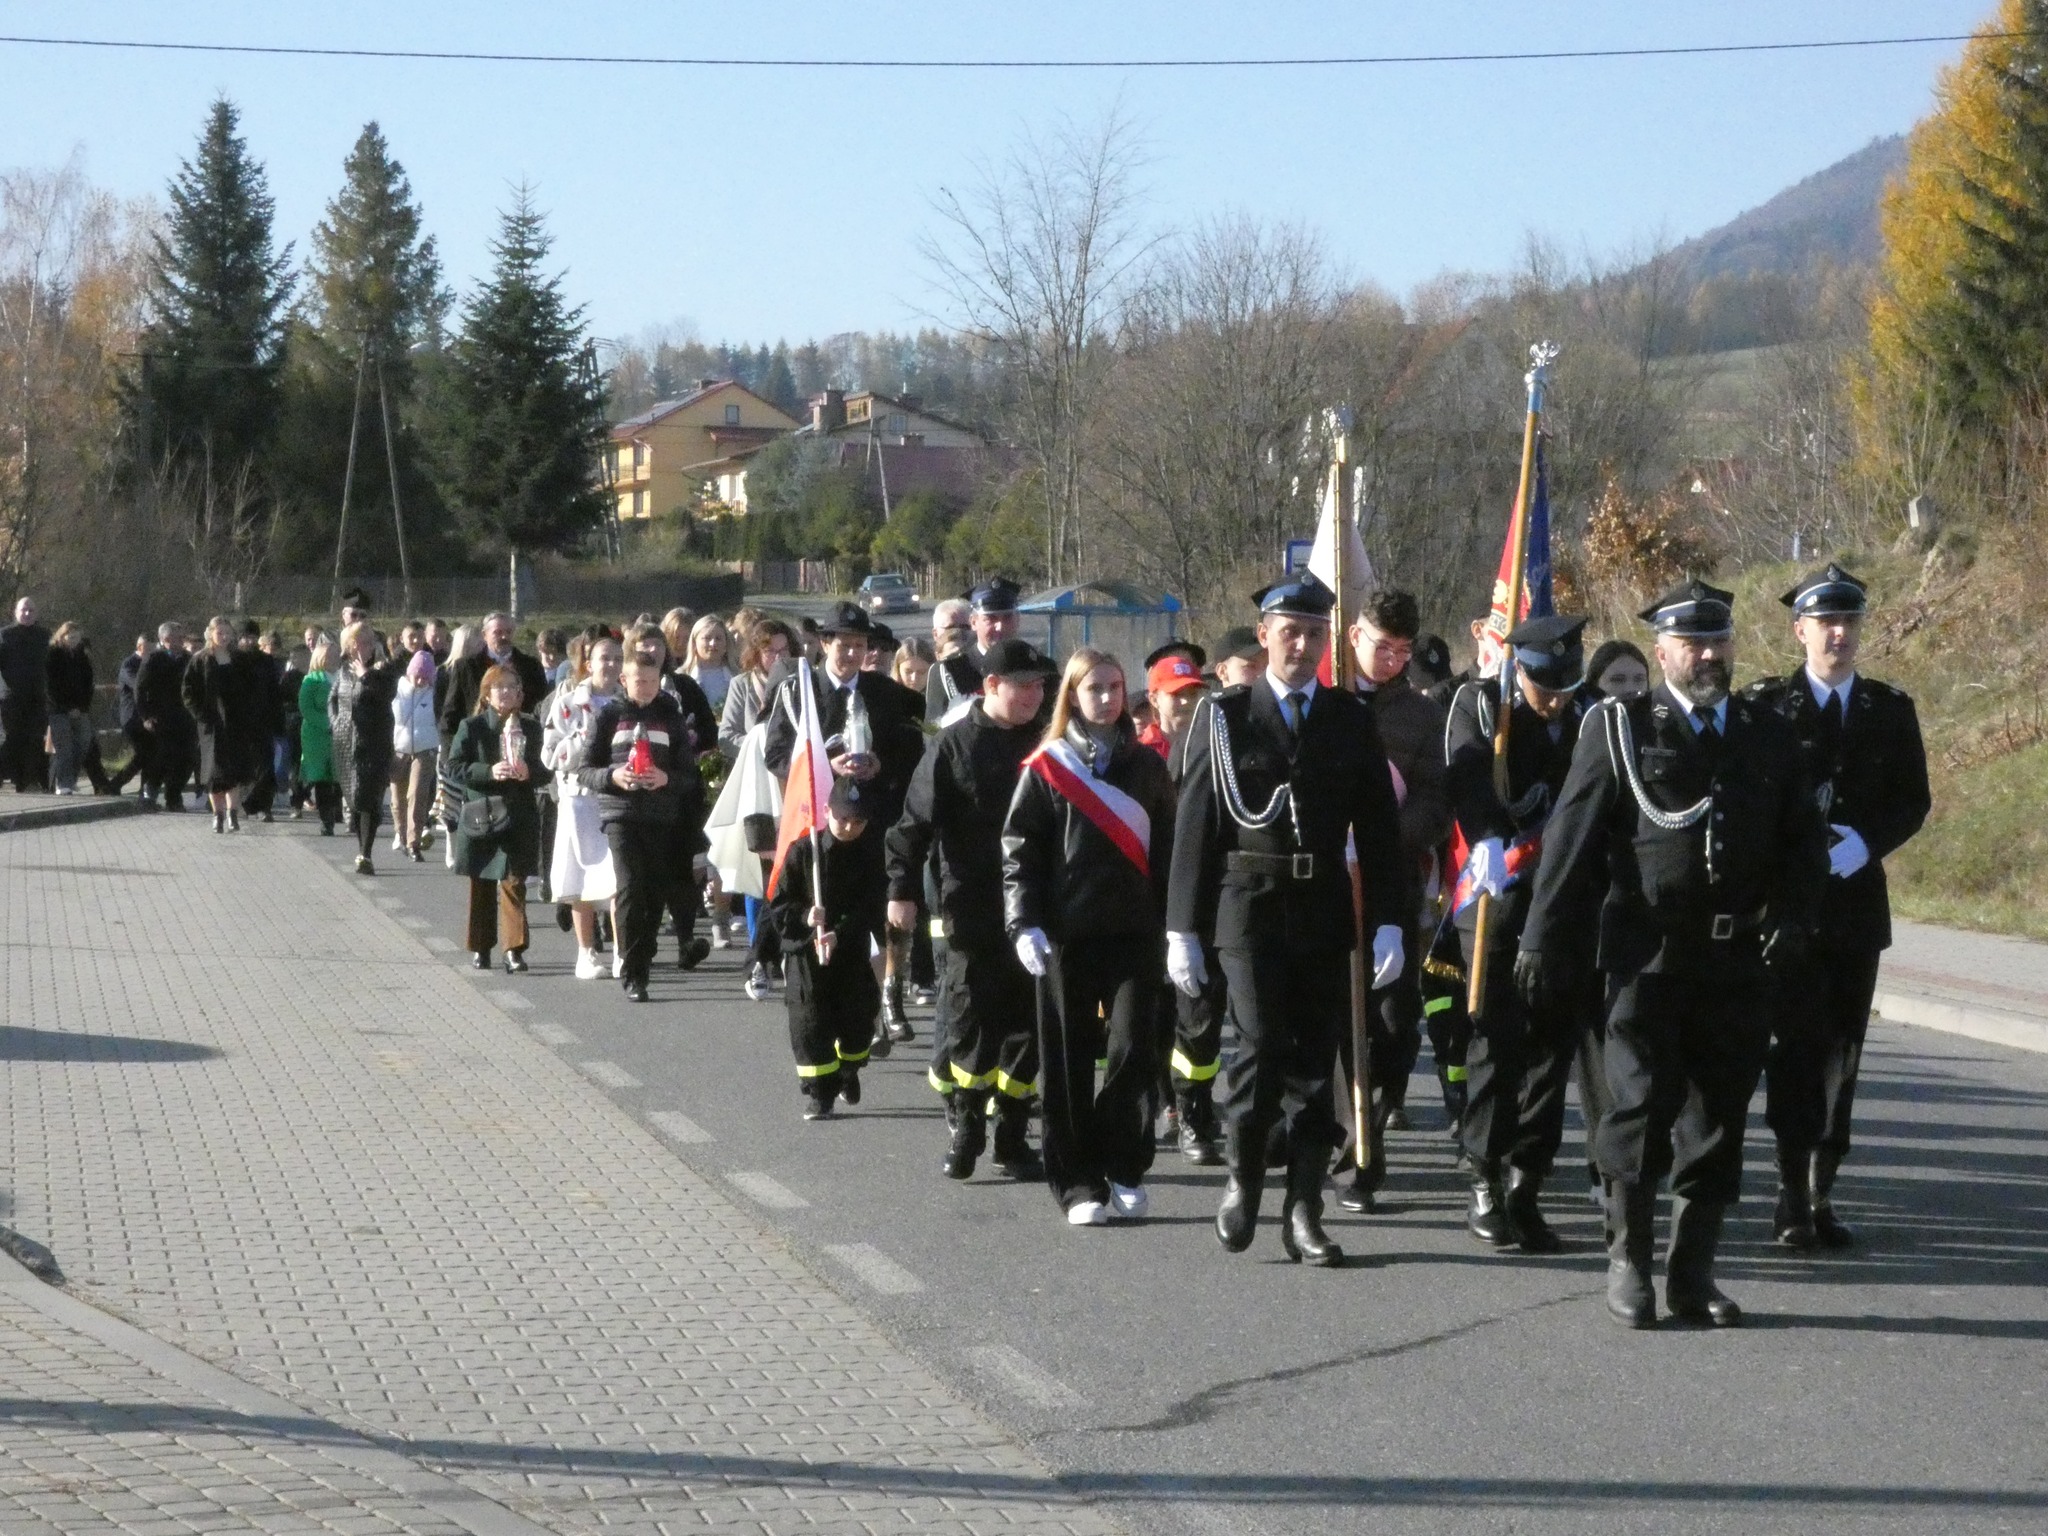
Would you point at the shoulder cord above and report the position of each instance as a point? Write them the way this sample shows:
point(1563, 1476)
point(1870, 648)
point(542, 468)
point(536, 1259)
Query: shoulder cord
point(1621, 749)
point(1225, 768)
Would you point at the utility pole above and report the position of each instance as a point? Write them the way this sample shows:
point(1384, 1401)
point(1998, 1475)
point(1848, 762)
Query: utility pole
point(348, 475)
point(391, 462)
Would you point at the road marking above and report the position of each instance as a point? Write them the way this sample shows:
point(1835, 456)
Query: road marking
point(875, 1269)
point(555, 1035)
point(390, 903)
point(1022, 1377)
point(608, 1074)
point(677, 1126)
point(770, 1192)
point(511, 1000)
point(440, 944)
point(416, 924)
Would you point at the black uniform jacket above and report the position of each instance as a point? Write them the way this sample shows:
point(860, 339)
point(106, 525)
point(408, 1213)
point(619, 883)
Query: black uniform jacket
point(1412, 727)
point(681, 799)
point(1533, 760)
point(959, 799)
point(855, 902)
point(159, 691)
point(1609, 871)
point(898, 740)
point(1874, 780)
point(1062, 874)
point(948, 682)
point(1340, 785)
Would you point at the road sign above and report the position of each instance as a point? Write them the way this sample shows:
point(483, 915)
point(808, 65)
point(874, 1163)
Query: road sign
point(1298, 551)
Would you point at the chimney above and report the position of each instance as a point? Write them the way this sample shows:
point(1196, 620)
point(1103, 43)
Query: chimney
point(828, 411)
point(709, 383)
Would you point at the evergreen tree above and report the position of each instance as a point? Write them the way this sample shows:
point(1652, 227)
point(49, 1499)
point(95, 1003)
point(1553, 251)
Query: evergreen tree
point(778, 382)
point(213, 345)
point(373, 277)
point(524, 418)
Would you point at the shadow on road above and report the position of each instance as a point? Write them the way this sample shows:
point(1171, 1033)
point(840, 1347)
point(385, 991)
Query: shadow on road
point(20, 1044)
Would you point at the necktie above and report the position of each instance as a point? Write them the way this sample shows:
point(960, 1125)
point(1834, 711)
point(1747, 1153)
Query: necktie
point(1710, 738)
point(1297, 709)
point(1831, 732)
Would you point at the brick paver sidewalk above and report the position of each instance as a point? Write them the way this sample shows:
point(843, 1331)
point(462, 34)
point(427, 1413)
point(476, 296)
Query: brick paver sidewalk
point(262, 1122)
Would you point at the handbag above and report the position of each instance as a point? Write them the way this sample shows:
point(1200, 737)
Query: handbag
point(485, 817)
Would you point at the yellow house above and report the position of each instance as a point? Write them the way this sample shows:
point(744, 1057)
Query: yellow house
point(662, 458)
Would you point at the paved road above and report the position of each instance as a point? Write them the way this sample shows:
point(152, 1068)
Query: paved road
point(1430, 1385)
point(521, 1263)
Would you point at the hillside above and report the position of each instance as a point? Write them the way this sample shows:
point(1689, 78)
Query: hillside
point(1829, 217)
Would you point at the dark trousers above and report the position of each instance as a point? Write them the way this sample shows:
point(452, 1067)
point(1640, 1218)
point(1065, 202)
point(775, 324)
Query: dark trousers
point(1444, 1014)
point(1097, 1001)
point(1589, 1073)
point(262, 794)
point(363, 821)
point(168, 756)
point(327, 801)
point(1288, 1007)
point(497, 909)
point(1393, 1017)
point(22, 758)
point(1517, 1065)
point(1817, 1049)
point(832, 1010)
point(991, 1031)
point(1684, 1051)
point(644, 858)
point(1198, 1027)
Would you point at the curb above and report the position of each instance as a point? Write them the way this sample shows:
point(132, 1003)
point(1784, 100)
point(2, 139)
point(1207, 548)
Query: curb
point(85, 808)
point(1995, 1026)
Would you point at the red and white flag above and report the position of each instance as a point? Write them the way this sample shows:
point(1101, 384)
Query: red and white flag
point(1116, 815)
point(809, 786)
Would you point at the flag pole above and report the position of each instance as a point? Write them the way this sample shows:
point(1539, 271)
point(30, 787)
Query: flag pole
point(813, 729)
point(1541, 356)
point(1344, 673)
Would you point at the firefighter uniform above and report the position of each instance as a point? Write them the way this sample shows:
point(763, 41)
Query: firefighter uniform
point(1687, 844)
point(1868, 767)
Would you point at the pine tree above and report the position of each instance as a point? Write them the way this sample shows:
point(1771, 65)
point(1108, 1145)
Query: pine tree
point(213, 346)
point(778, 382)
point(525, 420)
point(373, 277)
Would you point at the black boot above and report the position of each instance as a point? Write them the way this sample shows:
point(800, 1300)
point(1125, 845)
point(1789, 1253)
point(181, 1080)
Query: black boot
point(1013, 1152)
point(1792, 1221)
point(1689, 1289)
point(968, 1115)
point(880, 1045)
point(1827, 1226)
point(896, 1028)
point(1237, 1218)
point(1454, 1099)
point(1487, 1218)
point(1301, 1217)
point(1631, 1219)
point(1524, 1214)
point(1196, 1136)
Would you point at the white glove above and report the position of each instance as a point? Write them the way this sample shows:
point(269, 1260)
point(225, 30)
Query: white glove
point(1389, 954)
point(1032, 950)
point(1489, 865)
point(1848, 855)
point(1184, 964)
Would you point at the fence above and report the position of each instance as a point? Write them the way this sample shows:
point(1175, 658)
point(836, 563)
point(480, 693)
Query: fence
point(458, 597)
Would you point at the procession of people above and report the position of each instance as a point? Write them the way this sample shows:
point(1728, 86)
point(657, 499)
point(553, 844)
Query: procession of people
point(1213, 901)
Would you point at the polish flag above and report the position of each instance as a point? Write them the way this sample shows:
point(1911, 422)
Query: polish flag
point(809, 785)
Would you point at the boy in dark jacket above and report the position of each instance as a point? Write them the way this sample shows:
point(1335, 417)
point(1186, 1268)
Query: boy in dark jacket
point(828, 908)
point(651, 804)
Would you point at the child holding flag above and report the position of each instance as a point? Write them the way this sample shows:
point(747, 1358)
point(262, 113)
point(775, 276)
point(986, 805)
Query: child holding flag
point(827, 904)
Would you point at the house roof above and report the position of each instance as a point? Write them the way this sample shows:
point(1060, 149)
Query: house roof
point(662, 410)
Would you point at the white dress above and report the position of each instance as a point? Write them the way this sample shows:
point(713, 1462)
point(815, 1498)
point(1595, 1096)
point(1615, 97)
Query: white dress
point(582, 867)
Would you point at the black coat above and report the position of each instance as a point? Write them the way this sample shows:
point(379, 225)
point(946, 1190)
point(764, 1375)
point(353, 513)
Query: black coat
point(610, 741)
point(477, 748)
point(948, 682)
point(958, 801)
point(25, 666)
point(1411, 726)
point(698, 714)
point(160, 693)
point(1337, 773)
point(898, 739)
point(126, 678)
point(359, 709)
point(225, 698)
point(1873, 780)
point(855, 893)
point(465, 682)
point(1537, 766)
point(70, 678)
point(1063, 875)
point(1618, 889)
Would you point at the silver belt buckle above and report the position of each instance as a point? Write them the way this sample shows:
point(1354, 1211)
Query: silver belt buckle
point(1724, 925)
point(1302, 866)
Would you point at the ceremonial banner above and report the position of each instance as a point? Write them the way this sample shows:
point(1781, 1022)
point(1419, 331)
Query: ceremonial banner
point(809, 784)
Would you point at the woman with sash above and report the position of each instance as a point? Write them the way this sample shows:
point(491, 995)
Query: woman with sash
point(1084, 892)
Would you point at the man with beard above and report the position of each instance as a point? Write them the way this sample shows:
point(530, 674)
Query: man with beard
point(1686, 838)
point(1869, 773)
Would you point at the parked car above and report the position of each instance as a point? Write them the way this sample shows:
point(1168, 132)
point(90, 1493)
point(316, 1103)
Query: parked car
point(889, 592)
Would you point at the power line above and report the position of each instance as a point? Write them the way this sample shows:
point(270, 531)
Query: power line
point(1335, 61)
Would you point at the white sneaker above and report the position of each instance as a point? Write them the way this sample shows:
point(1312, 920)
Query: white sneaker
point(588, 967)
point(398, 842)
point(65, 789)
point(757, 983)
point(451, 853)
point(618, 965)
point(1087, 1213)
point(720, 939)
point(1129, 1202)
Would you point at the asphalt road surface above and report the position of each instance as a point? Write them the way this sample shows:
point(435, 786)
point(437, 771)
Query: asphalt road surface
point(1430, 1385)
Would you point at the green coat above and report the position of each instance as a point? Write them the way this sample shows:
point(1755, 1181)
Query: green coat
point(316, 736)
point(475, 750)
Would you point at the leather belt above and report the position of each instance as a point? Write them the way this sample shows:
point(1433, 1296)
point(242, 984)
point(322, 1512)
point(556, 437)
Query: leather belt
point(1288, 866)
point(1726, 925)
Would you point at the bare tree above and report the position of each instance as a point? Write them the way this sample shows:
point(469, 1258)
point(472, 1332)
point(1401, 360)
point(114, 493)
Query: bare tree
point(1033, 259)
point(228, 525)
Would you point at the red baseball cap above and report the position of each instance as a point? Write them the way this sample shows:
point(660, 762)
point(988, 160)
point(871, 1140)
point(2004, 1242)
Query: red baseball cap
point(1171, 674)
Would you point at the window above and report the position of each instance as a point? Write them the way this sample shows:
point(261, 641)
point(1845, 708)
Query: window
point(732, 415)
point(639, 455)
point(639, 504)
point(896, 424)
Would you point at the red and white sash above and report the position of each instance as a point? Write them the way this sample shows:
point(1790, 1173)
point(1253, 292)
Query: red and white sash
point(1115, 814)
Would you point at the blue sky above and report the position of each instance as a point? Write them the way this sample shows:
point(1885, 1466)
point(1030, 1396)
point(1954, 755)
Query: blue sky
point(761, 204)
